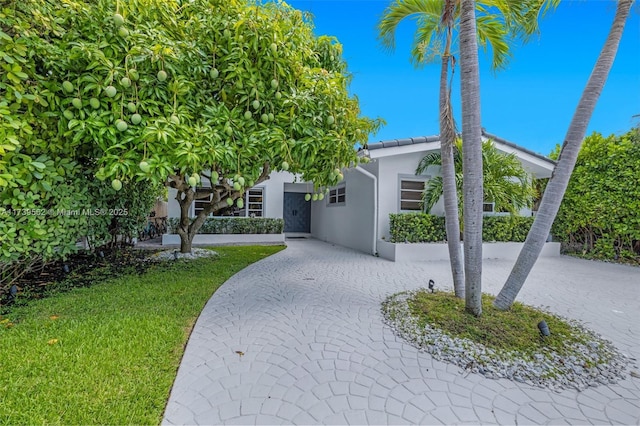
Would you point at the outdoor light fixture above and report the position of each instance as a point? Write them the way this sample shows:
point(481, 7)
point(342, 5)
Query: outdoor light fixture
point(175, 255)
point(544, 328)
point(101, 254)
point(13, 291)
point(431, 284)
point(65, 268)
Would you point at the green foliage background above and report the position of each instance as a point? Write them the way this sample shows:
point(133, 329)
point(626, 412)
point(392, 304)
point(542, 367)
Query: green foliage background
point(47, 179)
point(600, 213)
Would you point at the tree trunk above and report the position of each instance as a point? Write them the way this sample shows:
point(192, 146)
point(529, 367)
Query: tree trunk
point(188, 229)
point(447, 137)
point(472, 158)
point(186, 238)
point(560, 178)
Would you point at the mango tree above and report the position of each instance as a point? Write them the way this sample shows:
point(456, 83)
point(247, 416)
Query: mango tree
point(38, 176)
point(207, 96)
point(48, 197)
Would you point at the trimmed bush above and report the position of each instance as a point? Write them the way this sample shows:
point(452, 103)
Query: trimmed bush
point(426, 228)
point(235, 225)
point(416, 228)
point(506, 228)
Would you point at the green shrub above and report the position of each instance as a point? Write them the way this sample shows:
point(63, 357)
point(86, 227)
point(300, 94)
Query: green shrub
point(416, 228)
point(600, 214)
point(235, 225)
point(426, 228)
point(506, 228)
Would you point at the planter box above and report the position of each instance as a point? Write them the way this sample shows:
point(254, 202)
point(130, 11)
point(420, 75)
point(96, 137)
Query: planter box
point(220, 239)
point(412, 252)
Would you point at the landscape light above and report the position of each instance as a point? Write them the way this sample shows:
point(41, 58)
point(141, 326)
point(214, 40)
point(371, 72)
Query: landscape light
point(431, 285)
point(544, 328)
point(13, 291)
point(65, 268)
point(175, 255)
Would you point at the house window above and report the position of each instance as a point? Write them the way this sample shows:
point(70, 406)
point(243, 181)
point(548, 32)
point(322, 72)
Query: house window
point(338, 195)
point(254, 202)
point(488, 207)
point(411, 194)
point(253, 205)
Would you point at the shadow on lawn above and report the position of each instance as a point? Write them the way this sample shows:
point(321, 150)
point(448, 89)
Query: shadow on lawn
point(82, 269)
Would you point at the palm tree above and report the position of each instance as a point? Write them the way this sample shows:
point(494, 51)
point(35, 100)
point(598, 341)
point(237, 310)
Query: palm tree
point(557, 185)
point(471, 157)
point(505, 182)
point(436, 21)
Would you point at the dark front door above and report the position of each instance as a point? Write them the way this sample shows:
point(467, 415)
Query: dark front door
point(297, 213)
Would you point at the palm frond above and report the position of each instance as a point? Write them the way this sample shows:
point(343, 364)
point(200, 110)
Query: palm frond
point(493, 33)
point(522, 16)
point(431, 159)
point(425, 12)
point(431, 194)
point(427, 43)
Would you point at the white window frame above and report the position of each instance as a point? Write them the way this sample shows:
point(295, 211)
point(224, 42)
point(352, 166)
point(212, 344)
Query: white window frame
point(413, 178)
point(247, 195)
point(246, 211)
point(335, 194)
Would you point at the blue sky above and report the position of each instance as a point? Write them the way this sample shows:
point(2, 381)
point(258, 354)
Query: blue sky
point(530, 103)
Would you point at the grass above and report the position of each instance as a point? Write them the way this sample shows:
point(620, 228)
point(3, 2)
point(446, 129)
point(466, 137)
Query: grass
point(108, 353)
point(514, 329)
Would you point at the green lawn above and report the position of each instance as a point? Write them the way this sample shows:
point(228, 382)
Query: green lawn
point(109, 353)
point(514, 329)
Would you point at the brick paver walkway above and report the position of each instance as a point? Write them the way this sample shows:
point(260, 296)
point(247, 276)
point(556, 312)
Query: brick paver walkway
point(299, 338)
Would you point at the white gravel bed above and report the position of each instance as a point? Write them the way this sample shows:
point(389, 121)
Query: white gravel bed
point(548, 369)
point(168, 255)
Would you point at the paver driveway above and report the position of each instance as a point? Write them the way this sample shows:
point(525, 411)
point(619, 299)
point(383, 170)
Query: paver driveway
point(316, 350)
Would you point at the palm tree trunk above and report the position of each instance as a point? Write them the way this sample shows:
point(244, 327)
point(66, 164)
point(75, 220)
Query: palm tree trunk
point(472, 158)
point(447, 137)
point(560, 178)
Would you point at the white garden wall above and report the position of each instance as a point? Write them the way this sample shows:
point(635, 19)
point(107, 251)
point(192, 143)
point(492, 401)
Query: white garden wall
point(412, 252)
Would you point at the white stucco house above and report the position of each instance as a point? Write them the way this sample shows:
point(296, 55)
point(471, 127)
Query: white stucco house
point(355, 213)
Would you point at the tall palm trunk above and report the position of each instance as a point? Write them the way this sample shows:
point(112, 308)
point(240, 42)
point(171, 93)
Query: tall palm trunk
point(447, 137)
point(560, 178)
point(471, 158)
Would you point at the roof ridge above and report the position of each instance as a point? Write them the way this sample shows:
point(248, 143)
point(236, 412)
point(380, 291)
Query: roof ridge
point(436, 138)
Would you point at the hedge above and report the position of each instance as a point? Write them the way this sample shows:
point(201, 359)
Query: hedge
point(426, 228)
point(235, 225)
point(600, 214)
point(416, 228)
point(506, 228)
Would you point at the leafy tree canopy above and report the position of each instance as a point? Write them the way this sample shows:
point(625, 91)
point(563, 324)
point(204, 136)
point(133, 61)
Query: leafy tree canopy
point(169, 89)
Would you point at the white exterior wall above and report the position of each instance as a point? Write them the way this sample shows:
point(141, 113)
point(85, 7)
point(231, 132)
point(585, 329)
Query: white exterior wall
point(173, 208)
point(349, 225)
point(390, 170)
point(274, 193)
